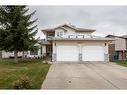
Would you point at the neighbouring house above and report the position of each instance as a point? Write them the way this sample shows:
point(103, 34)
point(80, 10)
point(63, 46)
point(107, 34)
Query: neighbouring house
point(35, 54)
point(69, 43)
point(40, 52)
point(118, 47)
point(6, 54)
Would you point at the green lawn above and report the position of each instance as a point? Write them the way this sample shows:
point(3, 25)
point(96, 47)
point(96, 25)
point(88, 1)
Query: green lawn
point(121, 62)
point(33, 68)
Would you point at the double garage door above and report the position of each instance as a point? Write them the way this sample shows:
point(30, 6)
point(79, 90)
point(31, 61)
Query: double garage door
point(71, 53)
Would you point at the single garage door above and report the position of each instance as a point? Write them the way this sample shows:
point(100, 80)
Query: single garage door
point(67, 53)
point(93, 53)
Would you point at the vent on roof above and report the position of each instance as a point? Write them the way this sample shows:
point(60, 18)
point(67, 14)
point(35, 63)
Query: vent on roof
point(71, 25)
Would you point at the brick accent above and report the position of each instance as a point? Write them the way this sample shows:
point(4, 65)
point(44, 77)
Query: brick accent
point(106, 57)
point(80, 57)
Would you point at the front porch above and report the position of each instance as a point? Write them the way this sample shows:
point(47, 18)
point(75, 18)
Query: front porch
point(46, 50)
point(48, 54)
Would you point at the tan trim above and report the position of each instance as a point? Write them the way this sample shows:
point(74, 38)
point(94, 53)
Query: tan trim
point(81, 39)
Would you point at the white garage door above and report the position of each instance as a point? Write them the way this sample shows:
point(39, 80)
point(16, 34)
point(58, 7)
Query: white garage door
point(67, 53)
point(93, 53)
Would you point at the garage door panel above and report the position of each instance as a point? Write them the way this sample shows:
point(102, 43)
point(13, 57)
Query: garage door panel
point(93, 53)
point(67, 53)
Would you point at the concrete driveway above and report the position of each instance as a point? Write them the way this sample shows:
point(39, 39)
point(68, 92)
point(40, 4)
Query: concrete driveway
point(87, 75)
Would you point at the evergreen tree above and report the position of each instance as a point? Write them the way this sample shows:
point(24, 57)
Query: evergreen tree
point(17, 30)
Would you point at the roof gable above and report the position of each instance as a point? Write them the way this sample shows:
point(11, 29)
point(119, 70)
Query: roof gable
point(113, 36)
point(124, 36)
point(61, 28)
point(70, 26)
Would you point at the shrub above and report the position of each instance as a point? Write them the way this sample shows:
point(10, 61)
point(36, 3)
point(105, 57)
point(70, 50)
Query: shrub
point(17, 85)
point(23, 83)
point(45, 62)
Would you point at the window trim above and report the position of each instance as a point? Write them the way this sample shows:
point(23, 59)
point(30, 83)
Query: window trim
point(60, 33)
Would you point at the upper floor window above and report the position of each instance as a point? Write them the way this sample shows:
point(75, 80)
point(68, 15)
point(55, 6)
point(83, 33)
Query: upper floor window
point(60, 34)
point(51, 34)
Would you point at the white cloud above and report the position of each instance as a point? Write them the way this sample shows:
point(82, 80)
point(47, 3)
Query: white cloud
point(105, 19)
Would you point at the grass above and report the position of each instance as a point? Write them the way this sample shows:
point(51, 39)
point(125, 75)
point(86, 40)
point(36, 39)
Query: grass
point(33, 68)
point(121, 62)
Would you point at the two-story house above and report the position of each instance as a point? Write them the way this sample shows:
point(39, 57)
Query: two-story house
point(70, 43)
point(118, 47)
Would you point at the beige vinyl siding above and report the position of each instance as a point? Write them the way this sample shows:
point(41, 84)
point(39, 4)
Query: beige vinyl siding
point(120, 44)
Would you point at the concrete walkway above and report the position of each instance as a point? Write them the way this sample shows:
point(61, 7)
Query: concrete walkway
point(88, 75)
